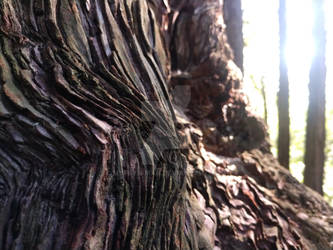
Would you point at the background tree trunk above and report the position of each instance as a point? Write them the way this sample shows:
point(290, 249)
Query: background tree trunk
point(314, 158)
point(123, 126)
point(283, 94)
point(233, 16)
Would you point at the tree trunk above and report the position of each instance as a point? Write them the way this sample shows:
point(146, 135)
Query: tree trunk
point(315, 131)
point(264, 98)
point(123, 126)
point(283, 94)
point(233, 17)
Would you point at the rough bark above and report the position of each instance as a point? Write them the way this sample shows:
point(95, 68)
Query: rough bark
point(314, 158)
point(283, 93)
point(123, 126)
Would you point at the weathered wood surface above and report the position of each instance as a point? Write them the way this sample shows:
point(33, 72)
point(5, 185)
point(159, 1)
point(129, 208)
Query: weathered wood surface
point(123, 126)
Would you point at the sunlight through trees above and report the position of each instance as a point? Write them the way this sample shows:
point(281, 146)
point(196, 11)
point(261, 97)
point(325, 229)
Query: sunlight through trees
point(261, 40)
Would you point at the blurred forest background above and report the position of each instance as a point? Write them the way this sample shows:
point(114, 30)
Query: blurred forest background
point(302, 42)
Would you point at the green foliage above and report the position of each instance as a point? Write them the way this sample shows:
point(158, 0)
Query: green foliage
point(297, 146)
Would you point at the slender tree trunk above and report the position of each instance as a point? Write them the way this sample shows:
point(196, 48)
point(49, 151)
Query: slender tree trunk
point(283, 94)
point(261, 89)
point(233, 17)
point(96, 154)
point(264, 97)
point(315, 130)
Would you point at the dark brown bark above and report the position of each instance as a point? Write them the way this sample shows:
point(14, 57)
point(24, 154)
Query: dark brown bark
point(283, 94)
point(95, 153)
point(314, 158)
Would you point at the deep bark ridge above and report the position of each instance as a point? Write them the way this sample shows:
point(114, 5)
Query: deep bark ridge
point(123, 126)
